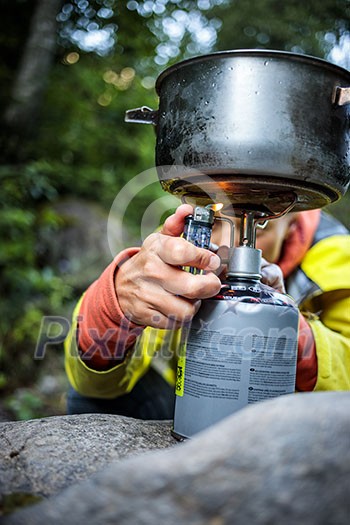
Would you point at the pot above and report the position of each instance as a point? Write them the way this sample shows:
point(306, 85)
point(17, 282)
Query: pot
point(257, 125)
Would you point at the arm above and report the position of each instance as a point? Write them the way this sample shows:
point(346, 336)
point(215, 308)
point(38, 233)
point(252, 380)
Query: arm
point(145, 287)
point(324, 330)
point(327, 264)
point(331, 332)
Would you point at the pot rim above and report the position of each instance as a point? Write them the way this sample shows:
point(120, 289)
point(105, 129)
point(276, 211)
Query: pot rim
point(266, 53)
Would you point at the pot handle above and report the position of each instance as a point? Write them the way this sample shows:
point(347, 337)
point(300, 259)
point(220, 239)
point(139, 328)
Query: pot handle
point(142, 115)
point(341, 96)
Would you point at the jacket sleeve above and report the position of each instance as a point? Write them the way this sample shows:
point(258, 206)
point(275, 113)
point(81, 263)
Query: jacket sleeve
point(118, 380)
point(87, 381)
point(103, 354)
point(327, 264)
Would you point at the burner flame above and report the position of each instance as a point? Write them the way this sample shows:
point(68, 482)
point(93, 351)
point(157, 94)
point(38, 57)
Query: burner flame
point(215, 207)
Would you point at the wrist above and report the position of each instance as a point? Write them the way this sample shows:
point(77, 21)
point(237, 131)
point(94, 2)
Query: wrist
point(104, 334)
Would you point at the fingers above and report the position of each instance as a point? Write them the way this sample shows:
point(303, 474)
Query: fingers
point(174, 225)
point(166, 311)
point(192, 286)
point(162, 266)
point(152, 292)
point(223, 252)
point(177, 251)
point(272, 275)
point(173, 314)
point(151, 287)
point(148, 303)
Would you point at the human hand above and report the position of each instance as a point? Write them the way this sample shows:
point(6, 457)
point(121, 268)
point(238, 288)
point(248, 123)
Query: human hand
point(272, 275)
point(152, 288)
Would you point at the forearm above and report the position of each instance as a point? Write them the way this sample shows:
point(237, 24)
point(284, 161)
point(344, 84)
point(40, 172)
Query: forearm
point(104, 334)
point(98, 347)
point(327, 265)
point(93, 383)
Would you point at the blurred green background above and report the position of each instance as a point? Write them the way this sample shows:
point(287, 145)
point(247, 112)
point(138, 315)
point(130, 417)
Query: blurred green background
point(69, 71)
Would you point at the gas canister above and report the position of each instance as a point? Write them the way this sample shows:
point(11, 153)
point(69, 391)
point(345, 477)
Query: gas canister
point(240, 348)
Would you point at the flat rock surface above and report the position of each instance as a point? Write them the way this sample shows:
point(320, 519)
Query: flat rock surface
point(42, 456)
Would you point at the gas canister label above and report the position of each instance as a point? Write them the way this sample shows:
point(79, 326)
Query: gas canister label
point(180, 372)
point(233, 359)
point(245, 366)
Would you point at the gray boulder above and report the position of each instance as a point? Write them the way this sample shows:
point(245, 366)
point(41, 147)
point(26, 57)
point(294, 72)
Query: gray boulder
point(43, 456)
point(285, 460)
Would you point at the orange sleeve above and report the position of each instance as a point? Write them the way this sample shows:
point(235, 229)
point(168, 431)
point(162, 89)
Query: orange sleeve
point(104, 334)
point(307, 358)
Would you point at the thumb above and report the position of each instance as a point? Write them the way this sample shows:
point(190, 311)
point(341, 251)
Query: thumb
point(174, 225)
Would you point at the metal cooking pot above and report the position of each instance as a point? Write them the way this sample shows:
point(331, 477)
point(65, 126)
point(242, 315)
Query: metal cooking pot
point(255, 124)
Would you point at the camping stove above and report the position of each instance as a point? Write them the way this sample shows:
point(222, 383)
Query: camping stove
point(241, 346)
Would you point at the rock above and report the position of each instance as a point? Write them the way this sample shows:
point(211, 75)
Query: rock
point(286, 460)
point(42, 456)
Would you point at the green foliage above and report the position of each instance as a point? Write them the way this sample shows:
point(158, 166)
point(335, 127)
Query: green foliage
point(28, 290)
point(25, 405)
point(92, 132)
point(95, 153)
point(293, 25)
